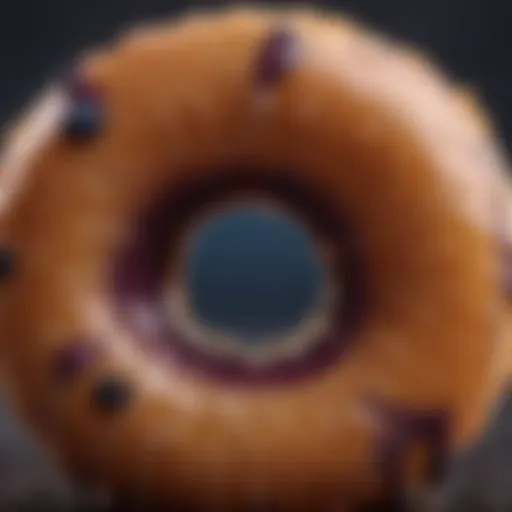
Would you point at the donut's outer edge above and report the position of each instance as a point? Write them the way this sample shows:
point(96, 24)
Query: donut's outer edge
point(99, 63)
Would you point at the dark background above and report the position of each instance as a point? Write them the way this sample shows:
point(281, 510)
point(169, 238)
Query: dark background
point(471, 38)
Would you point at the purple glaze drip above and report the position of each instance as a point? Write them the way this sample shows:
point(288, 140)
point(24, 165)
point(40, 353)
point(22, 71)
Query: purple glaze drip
point(75, 358)
point(279, 54)
point(140, 267)
point(404, 428)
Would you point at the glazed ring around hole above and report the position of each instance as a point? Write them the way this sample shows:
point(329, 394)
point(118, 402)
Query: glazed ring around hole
point(254, 257)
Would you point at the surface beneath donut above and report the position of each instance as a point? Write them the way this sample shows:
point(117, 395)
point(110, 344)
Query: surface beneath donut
point(30, 482)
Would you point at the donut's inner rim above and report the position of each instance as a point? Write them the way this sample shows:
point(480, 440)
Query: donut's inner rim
point(291, 341)
point(140, 268)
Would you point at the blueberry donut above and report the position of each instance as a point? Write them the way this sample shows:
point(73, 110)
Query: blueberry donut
point(255, 257)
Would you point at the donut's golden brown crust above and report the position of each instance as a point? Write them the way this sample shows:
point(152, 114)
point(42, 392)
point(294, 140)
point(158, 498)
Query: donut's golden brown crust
point(364, 122)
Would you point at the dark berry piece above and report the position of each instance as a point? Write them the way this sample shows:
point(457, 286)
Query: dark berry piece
point(85, 116)
point(111, 395)
point(85, 119)
point(6, 263)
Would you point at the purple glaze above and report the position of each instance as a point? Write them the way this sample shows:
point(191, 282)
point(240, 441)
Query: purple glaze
point(403, 428)
point(324, 353)
point(278, 54)
point(506, 269)
point(79, 86)
point(75, 358)
point(139, 270)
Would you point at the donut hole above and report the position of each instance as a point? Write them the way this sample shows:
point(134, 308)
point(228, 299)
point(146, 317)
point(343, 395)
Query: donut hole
point(252, 283)
point(253, 273)
point(247, 275)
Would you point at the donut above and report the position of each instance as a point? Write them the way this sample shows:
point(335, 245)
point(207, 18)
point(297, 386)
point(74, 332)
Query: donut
point(255, 257)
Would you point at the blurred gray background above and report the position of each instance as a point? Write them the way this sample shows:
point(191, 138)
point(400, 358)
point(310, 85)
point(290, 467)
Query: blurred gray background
point(472, 38)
